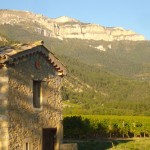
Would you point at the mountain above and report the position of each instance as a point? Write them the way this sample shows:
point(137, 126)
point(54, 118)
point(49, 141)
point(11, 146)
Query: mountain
point(65, 19)
point(65, 27)
point(104, 76)
point(3, 39)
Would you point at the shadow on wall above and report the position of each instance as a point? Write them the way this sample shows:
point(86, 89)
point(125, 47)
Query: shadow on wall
point(24, 120)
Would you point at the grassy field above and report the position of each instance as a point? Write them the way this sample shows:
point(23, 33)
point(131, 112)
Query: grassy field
point(92, 132)
point(131, 144)
point(138, 144)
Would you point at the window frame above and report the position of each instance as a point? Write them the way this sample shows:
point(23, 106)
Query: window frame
point(27, 144)
point(37, 94)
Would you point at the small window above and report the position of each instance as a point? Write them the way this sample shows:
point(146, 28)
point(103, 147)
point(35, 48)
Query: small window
point(37, 94)
point(27, 146)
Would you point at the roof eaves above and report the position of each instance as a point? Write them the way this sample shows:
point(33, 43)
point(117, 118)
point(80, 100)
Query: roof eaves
point(11, 53)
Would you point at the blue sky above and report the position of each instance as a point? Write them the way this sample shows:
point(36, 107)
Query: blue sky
point(129, 14)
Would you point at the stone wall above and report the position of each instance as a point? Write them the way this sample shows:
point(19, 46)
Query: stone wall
point(25, 122)
point(69, 146)
point(3, 109)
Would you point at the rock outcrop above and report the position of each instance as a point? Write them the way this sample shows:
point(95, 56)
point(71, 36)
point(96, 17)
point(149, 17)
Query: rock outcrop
point(65, 27)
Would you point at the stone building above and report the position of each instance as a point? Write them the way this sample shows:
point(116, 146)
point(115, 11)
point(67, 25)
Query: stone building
point(30, 100)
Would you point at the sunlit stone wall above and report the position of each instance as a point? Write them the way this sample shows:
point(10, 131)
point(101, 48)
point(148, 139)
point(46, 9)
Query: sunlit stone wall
point(26, 122)
point(3, 109)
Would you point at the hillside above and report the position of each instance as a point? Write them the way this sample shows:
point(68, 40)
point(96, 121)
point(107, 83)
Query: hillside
point(104, 77)
point(65, 27)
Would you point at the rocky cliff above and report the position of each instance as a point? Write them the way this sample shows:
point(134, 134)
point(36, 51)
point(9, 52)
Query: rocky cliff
point(65, 27)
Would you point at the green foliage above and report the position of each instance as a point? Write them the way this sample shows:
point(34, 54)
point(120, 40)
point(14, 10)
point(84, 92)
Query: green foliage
point(94, 126)
point(80, 127)
point(6, 41)
point(112, 82)
point(101, 92)
point(138, 144)
point(94, 145)
point(114, 144)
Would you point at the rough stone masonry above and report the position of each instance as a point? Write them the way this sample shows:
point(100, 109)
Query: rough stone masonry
point(22, 124)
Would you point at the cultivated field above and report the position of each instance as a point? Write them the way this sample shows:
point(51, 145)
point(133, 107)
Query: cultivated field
point(95, 132)
point(114, 144)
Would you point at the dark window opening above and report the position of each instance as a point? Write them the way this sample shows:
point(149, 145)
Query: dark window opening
point(27, 146)
point(37, 94)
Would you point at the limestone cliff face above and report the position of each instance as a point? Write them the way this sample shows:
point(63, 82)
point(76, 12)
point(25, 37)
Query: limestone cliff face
point(65, 27)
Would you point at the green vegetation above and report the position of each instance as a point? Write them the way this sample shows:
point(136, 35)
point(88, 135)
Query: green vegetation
point(95, 127)
point(134, 144)
point(125, 58)
point(99, 92)
point(139, 144)
point(5, 40)
point(19, 33)
point(94, 132)
point(114, 82)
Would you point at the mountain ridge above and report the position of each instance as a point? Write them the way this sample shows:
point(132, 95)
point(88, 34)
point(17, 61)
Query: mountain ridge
point(64, 19)
point(66, 27)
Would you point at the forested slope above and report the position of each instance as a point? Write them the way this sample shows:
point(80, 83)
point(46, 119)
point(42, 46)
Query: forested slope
point(111, 80)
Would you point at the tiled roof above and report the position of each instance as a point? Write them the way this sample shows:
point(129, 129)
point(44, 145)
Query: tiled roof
point(10, 54)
